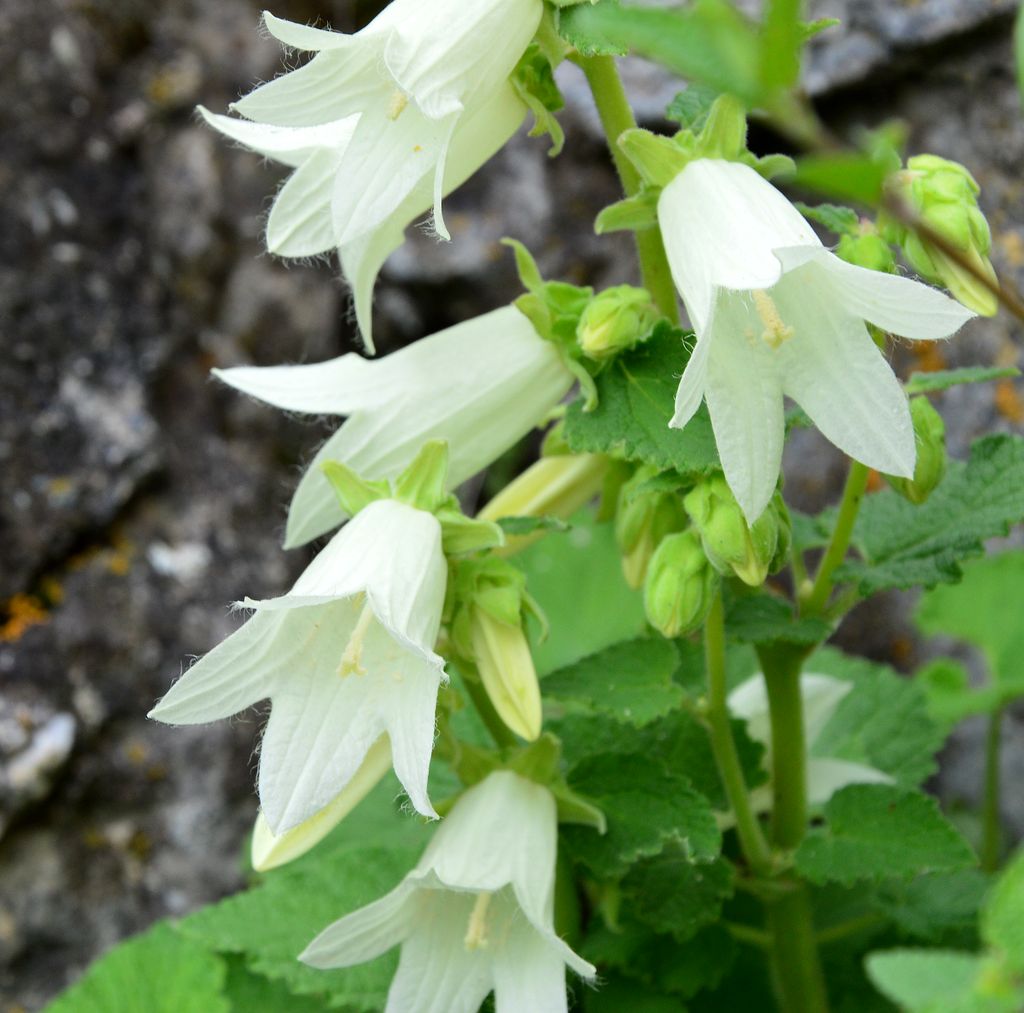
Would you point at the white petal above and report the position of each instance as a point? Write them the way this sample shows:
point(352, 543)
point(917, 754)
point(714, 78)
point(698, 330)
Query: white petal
point(289, 145)
point(833, 369)
point(749, 702)
point(411, 729)
point(529, 974)
point(502, 831)
point(481, 385)
point(333, 85)
point(297, 36)
point(691, 388)
point(899, 305)
point(268, 851)
point(300, 220)
point(721, 223)
point(365, 933)
point(744, 396)
point(436, 972)
point(822, 694)
point(825, 776)
point(382, 164)
point(437, 58)
point(361, 261)
point(239, 671)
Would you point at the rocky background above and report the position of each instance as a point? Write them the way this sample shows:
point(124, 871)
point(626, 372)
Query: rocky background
point(139, 498)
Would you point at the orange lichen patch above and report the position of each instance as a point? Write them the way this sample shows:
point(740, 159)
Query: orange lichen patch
point(1008, 401)
point(51, 590)
point(929, 356)
point(23, 612)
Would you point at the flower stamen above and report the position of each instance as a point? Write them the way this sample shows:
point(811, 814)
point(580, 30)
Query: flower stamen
point(476, 931)
point(399, 100)
point(351, 660)
point(776, 330)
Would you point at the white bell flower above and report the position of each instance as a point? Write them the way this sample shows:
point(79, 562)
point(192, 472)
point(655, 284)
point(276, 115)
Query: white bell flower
point(344, 657)
point(821, 695)
point(777, 314)
point(413, 76)
point(301, 222)
point(476, 914)
point(481, 385)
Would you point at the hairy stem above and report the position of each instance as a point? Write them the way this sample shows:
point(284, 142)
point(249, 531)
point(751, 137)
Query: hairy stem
point(752, 839)
point(853, 494)
point(796, 969)
point(991, 827)
point(616, 116)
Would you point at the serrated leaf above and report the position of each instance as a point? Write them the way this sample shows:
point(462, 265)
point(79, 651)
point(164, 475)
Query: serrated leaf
point(636, 401)
point(690, 107)
point(629, 682)
point(903, 545)
point(883, 723)
point(763, 619)
point(647, 806)
point(916, 979)
point(672, 894)
point(159, 972)
point(272, 923)
point(577, 581)
point(251, 993)
point(1002, 921)
point(874, 832)
point(936, 906)
point(836, 218)
point(984, 610)
point(943, 379)
point(589, 36)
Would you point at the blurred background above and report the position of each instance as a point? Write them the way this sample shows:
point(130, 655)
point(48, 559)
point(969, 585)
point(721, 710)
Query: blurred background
point(138, 498)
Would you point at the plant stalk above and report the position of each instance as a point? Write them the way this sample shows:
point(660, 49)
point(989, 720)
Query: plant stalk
point(616, 116)
point(991, 826)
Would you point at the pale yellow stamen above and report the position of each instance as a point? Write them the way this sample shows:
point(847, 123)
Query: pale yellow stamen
point(399, 100)
point(351, 660)
point(476, 933)
point(776, 330)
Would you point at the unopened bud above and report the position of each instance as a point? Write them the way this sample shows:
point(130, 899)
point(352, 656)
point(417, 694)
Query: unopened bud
point(505, 663)
point(731, 545)
point(867, 249)
point(615, 320)
point(643, 518)
point(680, 585)
point(930, 467)
point(945, 196)
point(784, 540)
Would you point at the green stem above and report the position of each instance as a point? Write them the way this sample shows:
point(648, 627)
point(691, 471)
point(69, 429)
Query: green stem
point(862, 923)
point(616, 117)
point(500, 732)
point(853, 495)
point(723, 745)
point(796, 970)
point(991, 827)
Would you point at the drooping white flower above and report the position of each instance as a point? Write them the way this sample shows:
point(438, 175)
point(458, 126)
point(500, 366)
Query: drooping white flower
point(775, 313)
point(344, 657)
point(481, 385)
point(821, 695)
point(476, 914)
point(301, 222)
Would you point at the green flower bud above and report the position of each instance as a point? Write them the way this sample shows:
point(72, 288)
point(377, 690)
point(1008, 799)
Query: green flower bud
point(614, 320)
point(731, 545)
point(643, 518)
point(680, 585)
point(945, 196)
point(930, 435)
point(868, 249)
point(784, 542)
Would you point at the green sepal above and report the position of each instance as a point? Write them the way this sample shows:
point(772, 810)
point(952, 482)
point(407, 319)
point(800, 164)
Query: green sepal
point(487, 582)
point(423, 483)
point(577, 809)
point(586, 381)
point(724, 133)
point(658, 159)
point(534, 82)
point(769, 166)
point(630, 215)
point(461, 534)
point(835, 217)
point(353, 491)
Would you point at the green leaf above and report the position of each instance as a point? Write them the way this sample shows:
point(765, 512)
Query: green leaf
point(636, 400)
point(764, 618)
point(875, 832)
point(883, 723)
point(943, 379)
point(528, 525)
point(950, 696)
point(781, 38)
point(577, 581)
point(251, 993)
point(984, 610)
point(629, 682)
point(916, 979)
point(617, 993)
point(647, 806)
point(855, 177)
point(903, 545)
point(690, 107)
point(708, 41)
point(836, 218)
point(159, 972)
point(672, 894)
point(935, 907)
point(1002, 921)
